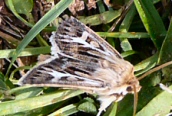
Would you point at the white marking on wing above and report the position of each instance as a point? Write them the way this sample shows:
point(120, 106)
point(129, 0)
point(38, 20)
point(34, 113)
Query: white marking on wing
point(54, 48)
point(82, 41)
point(58, 75)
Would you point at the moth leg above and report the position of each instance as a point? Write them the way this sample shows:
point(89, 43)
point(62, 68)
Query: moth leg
point(105, 101)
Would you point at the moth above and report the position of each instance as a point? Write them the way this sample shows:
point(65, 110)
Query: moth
point(81, 59)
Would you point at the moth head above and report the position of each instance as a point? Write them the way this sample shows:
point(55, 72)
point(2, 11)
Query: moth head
point(133, 83)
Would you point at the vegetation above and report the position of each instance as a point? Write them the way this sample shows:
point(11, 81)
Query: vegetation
point(143, 35)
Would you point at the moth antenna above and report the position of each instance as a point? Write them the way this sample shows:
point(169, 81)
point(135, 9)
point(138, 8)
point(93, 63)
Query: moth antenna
point(155, 69)
point(135, 101)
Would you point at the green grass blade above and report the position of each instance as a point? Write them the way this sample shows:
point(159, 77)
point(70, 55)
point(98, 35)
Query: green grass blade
point(146, 65)
point(41, 24)
point(65, 111)
point(165, 53)
point(151, 20)
point(25, 52)
point(135, 35)
point(36, 102)
point(124, 27)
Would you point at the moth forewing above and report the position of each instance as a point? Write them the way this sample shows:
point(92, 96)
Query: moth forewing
point(80, 59)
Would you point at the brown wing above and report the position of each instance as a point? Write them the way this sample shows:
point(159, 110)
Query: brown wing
point(62, 72)
point(77, 40)
point(79, 58)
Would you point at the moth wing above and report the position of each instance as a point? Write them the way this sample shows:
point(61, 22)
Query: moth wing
point(85, 54)
point(77, 40)
point(61, 72)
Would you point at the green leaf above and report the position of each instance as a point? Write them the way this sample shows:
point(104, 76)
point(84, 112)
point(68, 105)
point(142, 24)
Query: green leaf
point(159, 105)
point(27, 92)
point(104, 18)
point(88, 106)
point(111, 111)
point(128, 53)
point(12, 6)
point(23, 6)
